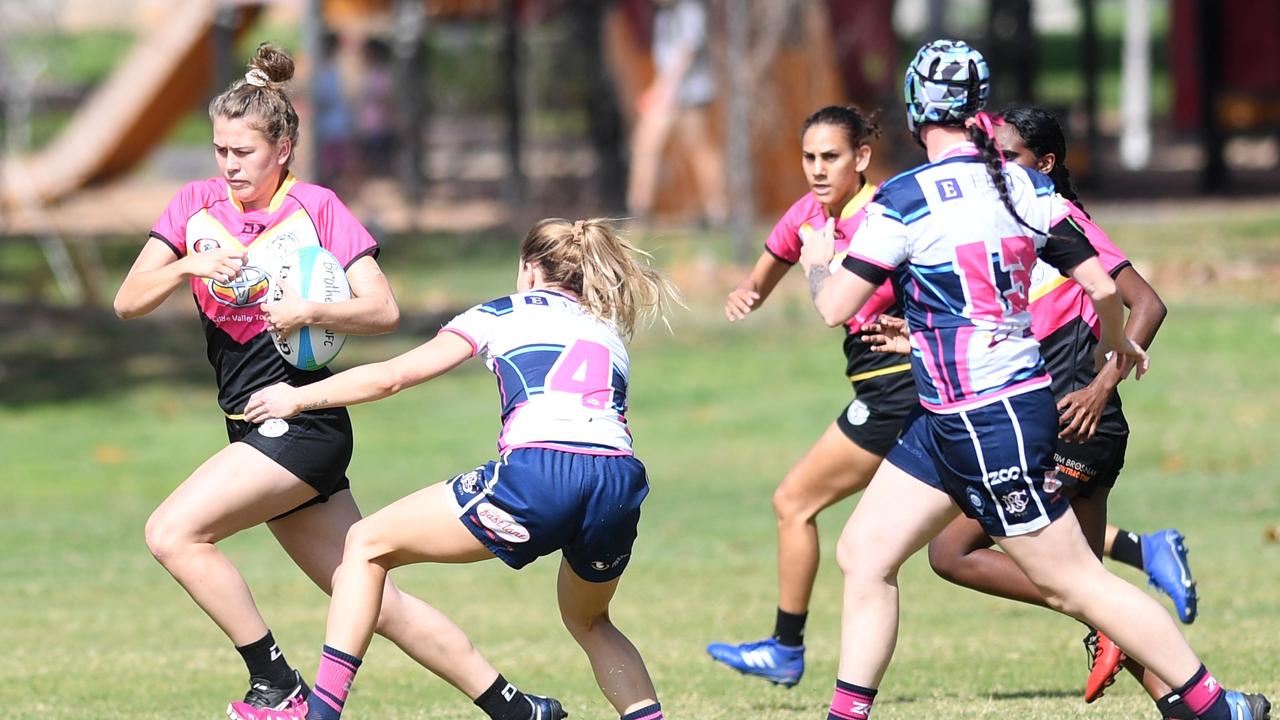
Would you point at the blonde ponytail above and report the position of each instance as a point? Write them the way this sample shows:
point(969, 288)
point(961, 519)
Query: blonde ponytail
point(611, 277)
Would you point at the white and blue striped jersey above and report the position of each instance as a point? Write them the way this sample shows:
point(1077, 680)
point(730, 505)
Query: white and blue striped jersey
point(963, 265)
point(562, 373)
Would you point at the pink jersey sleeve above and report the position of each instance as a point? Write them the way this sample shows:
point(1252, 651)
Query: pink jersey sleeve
point(340, 232)
point(171, 227)
point(1109, 255)
point(784, 242)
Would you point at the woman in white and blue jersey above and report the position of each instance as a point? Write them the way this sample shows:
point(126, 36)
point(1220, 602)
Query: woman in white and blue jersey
point(567, 479)
point(959, 236)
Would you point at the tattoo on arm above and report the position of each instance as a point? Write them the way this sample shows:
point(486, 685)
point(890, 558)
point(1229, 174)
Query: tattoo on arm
point(316, 404)
point(817, 275)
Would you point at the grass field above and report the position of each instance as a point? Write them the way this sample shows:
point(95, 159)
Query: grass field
point(100, 419)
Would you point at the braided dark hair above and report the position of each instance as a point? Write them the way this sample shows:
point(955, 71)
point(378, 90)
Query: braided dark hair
point(980, 134)
point(1042, 134)
point(860, 128)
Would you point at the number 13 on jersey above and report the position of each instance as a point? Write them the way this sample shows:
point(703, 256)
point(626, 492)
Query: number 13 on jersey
point(995, 290)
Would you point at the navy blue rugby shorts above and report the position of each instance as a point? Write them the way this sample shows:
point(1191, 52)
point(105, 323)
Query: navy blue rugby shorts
point(995, 461)
point(536, 501)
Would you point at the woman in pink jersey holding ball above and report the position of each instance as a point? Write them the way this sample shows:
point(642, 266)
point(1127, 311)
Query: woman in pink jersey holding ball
point(221, 238)
point(835, 154)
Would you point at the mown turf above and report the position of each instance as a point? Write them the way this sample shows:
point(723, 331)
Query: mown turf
point(94, 628)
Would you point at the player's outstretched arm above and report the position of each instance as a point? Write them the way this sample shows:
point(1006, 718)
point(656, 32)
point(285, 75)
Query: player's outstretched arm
point(361, 384)
point(751, 293)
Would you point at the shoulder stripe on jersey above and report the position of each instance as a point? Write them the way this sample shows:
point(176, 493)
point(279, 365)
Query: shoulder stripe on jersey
point(498, 307)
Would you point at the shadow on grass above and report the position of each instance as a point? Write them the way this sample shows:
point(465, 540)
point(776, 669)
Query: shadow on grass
point(55, 354)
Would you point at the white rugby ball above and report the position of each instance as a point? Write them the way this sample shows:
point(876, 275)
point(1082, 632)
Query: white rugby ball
point(316, 275)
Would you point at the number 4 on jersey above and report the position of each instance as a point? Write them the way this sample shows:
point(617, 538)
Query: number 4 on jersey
point(586, 370)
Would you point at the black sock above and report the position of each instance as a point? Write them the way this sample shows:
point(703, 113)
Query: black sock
point(1172, 707)
point(789, 628)
point(266, 662)
point(504, 701)
point(1127, 549)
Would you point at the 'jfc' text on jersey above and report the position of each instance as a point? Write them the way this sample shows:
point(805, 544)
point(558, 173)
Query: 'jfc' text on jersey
point(204, 216)
point(562, 373)
point(964, 264)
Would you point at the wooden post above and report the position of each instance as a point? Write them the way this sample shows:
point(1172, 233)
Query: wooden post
point(1089, 71)
point(604, 119)
point(1214, 176)
point(410, 72)
point(512, 103)
point(312, 47)
point(738, 157)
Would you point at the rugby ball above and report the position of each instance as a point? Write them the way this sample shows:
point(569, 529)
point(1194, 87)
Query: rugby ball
point(316, 275)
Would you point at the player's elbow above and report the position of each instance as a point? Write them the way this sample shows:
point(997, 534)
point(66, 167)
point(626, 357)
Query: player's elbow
point(1102, 292)
point(830, 314)
point(384, 316)
point(391, 317)
point(125, 310)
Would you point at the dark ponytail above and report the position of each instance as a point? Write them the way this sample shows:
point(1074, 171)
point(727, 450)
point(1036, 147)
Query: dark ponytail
point(1042, 134)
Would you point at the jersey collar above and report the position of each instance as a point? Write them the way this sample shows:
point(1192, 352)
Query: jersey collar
point(276, 200)
point(964, 147)
point(858, 201)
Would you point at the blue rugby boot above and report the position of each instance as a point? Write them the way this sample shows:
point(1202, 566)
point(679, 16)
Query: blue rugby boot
point(545, 708)
point(1164, 558)
point(768, 659)
point(1248, 706)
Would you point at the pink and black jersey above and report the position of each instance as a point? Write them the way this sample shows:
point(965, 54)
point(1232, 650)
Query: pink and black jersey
point(963, 264)
point(562, 372)
point(808, 215)
point(203, 216)
point(1063, 318)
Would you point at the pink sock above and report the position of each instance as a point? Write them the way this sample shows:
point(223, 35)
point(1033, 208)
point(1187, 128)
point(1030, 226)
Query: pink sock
point(333, 683)
point(1201, 691)
point(851, 702)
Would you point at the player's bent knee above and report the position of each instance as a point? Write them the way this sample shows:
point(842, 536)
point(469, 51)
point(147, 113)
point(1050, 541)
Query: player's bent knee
point(784, 503)
point(945, 561)
point(363, 542)
point(165, 539)
point(861, 562)
point(580, 625)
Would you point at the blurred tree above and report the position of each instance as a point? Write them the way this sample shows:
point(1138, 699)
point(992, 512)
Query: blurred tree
point(410, 70)
point(604, 121)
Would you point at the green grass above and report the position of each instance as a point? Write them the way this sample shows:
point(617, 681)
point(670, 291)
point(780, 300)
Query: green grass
point(95, 628)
